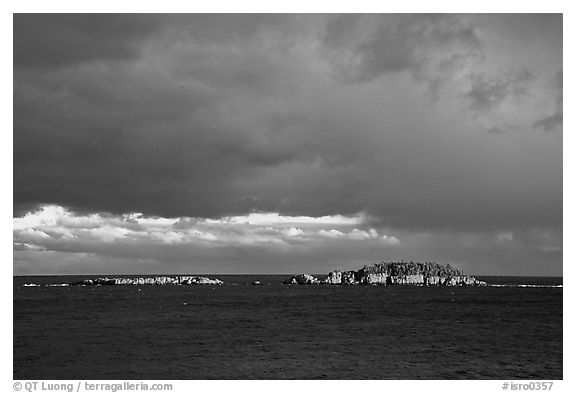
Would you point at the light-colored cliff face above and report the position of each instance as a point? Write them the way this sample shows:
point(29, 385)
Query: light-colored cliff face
point(334, 277)
point(302, 279)
point(463, 280)
point(433, 280)
point(410, 279)
point(375, 278)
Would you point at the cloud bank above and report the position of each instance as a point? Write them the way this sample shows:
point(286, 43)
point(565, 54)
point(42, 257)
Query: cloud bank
point(53, 239)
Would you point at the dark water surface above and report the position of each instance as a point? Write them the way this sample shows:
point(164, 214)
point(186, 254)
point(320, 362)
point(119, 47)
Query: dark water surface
point(240, 331)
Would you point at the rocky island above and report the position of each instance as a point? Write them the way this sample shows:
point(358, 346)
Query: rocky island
point(393, 273)
point(160, 280)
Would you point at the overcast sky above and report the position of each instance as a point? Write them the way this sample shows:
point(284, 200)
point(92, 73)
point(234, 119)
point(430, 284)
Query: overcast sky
point(287, 143)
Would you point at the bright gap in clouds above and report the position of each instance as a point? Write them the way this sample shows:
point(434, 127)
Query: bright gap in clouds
point(54, 227)
point(275, 218)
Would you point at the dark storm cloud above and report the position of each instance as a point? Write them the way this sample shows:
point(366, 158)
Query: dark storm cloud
point(430, 47)
point(51, 40)
point(551, 122)
point(161, 144)
point(209, 115)
point(555, 120)
point(486, 94)
point(496, 131)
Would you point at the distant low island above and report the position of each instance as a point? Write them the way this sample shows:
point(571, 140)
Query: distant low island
point(159, 280)
point(393, 273)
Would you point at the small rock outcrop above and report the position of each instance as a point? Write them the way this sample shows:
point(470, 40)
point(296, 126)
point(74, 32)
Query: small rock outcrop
point(302, 279)
point(161, 280)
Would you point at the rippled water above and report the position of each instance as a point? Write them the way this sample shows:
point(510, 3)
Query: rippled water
point(240, 331)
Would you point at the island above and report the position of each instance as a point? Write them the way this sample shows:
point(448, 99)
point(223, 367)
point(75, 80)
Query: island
point(393, 273)
point(159, 280)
